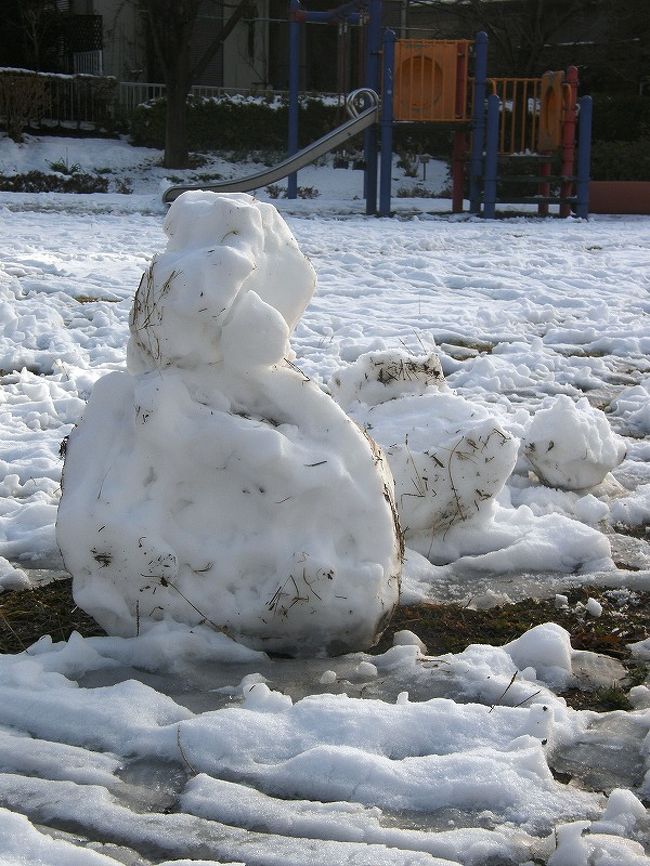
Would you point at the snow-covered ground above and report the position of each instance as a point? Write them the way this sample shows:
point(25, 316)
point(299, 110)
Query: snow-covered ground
point(179, 744)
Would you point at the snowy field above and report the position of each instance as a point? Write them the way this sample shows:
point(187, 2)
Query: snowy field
point(181, 746)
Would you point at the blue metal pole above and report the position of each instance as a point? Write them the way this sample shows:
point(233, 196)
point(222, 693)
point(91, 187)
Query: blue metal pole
point(584, 156)
point(373, 80)
point(491, 157)
point(386, 167)
point(294, 84)
point(478, 122)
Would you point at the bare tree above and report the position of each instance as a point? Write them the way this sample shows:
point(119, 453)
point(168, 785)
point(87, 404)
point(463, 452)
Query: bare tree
point(40, 24)
point(172, 24)
point(520, 31)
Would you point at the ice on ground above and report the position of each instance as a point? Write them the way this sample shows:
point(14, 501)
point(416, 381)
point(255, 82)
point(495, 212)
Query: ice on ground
point(214, 481)
point(464, 776)
point(571, 445)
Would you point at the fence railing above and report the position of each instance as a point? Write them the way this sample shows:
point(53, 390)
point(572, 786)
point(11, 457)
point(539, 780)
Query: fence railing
point(133, 93)
point(519, 117)
point(88, 62)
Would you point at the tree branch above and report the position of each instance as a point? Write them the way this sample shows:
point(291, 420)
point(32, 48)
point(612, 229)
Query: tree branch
point(220, 37)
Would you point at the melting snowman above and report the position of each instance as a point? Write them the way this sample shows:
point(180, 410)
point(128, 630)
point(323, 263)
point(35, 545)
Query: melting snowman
point(212, 481)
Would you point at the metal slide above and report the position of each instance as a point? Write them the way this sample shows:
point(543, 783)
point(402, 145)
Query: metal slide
point(299, 160)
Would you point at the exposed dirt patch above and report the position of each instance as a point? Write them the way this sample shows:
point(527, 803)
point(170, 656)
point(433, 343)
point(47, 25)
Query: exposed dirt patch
point(27, 615)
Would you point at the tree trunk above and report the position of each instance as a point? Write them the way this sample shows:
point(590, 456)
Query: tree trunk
point(176, 149)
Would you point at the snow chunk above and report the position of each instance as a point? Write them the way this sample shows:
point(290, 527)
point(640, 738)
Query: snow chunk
point(571, 445)
point(621, 815)
point(376, 377)
point(213, 482)
point(408, 638)
point(594, 607)
point(633, 406)
point(589, 509)
point(449, 458)
point(547, 649)
point(366, 670)
point(11, 577)
point(640, 649)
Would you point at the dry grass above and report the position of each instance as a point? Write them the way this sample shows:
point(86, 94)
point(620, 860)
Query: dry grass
point(27, 615)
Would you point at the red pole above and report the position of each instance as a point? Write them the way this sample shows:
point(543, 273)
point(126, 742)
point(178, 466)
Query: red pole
point(544, 186)
point(570, 97)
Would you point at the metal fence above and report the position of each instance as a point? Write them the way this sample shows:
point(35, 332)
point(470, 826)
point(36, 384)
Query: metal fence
point(54, 99)
point(133, 93)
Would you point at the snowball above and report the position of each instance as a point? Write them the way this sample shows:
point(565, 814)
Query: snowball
point(571, 445)
point(408, 638)
point(213, 482)
point(594, 607)
point(327, 678)
point(561, 601)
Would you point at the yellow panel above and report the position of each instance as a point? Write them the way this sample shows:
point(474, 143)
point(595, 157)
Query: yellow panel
point(430, 80)
point(549, 136)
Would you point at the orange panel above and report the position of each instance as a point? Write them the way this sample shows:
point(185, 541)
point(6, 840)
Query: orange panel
point(549, 135)
point(430, 80)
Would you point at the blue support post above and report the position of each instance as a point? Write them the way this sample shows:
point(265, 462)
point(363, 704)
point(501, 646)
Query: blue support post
point(373, 81)
point(294, 84)
point(478, 122)
point(491, 157)
point(386, 167)
point(584, 156)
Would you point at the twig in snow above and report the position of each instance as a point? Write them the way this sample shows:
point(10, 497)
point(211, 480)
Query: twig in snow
point(502, 696)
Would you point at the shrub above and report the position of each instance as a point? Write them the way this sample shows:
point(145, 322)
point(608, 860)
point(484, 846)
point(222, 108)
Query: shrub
point(234, 124)
point(621, 117)
point(62, 166)
point(38, 181)
point(621, 160)
point(275, 191)
point(23, 96)
point(27, 98)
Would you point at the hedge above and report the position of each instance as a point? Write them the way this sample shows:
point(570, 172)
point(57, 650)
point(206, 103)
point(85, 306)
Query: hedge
point(621, 117)
point(621, 160)
point(230, 124)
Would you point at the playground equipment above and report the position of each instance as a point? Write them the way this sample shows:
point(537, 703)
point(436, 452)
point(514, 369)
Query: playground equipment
point(494, 121)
